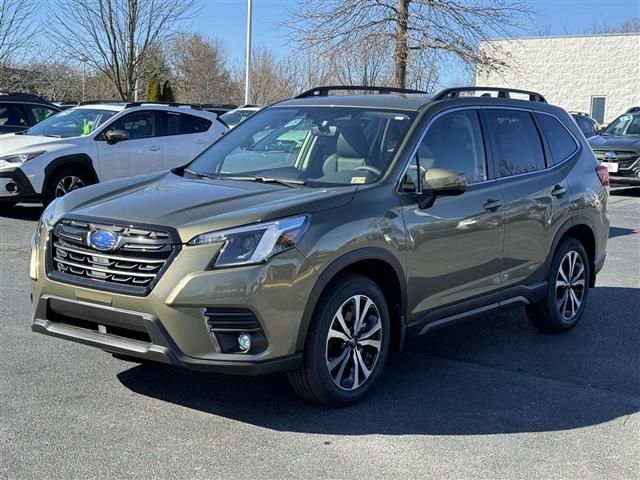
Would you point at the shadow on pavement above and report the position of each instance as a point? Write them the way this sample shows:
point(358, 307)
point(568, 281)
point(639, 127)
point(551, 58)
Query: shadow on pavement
point(28, 211)
point(620, 232)
point(497, 375)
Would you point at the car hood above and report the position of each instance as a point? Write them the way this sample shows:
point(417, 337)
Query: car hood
point(193, 206)
point(615, 142)
point(11, 143)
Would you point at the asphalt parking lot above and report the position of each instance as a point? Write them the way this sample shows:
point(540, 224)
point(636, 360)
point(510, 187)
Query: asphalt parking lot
point(490, 399)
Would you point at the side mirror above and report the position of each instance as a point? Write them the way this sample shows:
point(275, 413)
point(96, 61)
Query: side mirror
point(115, 136)
point(440, 182)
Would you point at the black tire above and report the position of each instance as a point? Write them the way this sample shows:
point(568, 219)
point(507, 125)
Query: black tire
point(53, 191)
point(314, 381)
point(546, 315)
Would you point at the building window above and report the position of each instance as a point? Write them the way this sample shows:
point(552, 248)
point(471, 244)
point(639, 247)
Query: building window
point(597, 108)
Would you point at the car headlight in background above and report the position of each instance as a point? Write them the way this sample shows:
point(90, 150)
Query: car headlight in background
point(21, 157)
point(255, 243)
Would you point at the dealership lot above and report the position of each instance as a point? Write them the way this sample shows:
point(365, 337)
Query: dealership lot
point(488, 399)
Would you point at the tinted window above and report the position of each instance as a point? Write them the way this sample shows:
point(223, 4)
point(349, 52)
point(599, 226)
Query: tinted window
point(12, 115)
point(183, 124)
point(453, 141)
point(560, 142)
point(137, 125)
point(516, 142)
point(41, 113)
point(586, 126)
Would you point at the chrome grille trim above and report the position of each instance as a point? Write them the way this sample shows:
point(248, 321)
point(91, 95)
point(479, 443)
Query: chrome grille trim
point(133, 266)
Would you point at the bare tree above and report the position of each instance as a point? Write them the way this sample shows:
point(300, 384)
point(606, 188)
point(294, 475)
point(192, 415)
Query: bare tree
point(410, 27)
point(364, 65)
point(631, 25)
point(272, 79)
point(16, 27)
point(200, 70)
point(115, 36)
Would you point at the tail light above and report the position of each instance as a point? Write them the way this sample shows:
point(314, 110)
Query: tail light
point(603, 175)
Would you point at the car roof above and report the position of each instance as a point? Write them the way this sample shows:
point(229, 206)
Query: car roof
point(120, 106)
point(396, 101)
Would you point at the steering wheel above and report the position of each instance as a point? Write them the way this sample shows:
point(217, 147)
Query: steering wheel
point(373, 170)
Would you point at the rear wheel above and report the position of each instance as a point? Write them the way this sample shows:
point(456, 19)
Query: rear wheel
point(63, 182)
point(347, 343)
point(567, 291)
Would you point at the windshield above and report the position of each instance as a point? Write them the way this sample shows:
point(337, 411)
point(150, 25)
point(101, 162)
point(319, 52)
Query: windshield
point(236, 117)
point(73, 122)
point(624, 125)
point(315, 145)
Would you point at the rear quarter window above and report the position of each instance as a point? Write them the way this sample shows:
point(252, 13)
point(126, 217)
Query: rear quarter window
point(560, 141)
point(184, 124)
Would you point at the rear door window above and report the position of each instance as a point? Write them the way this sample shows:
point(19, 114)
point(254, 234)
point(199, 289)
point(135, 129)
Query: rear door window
point(516, 142)
point(560, 141)
point(12, 115)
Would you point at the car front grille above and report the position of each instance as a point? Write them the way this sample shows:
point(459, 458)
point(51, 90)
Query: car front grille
point(132, 266)
point(624, 159)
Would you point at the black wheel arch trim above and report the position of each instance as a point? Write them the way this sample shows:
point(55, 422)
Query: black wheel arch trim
point(575, 221)
point(342, 263)
point(81, 159)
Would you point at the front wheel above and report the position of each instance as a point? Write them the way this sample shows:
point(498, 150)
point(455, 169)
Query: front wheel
point(567, 291)
point(63, 182)
point(347, 343)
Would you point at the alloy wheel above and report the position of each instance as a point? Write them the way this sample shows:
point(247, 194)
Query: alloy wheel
point(354, 341)
point(68, 184)
point(570, 285)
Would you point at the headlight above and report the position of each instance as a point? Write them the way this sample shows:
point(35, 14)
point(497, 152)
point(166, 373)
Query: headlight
point(46, 219)
point(21, 157)
point(255, 243)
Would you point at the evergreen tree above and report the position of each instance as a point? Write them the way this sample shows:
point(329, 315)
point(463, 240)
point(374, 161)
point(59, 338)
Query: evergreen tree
point(167, 92)
point(153, 90)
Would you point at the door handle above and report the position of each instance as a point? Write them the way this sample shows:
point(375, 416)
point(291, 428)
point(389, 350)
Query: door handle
point(558, 191)
point(492, 204)
point(154, 148)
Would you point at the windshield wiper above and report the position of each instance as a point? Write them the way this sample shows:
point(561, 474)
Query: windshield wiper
point(201, 174)
point(286, 182)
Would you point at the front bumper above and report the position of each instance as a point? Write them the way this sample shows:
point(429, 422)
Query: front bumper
point(104, 327)
point(16, 187)
point(170, 323)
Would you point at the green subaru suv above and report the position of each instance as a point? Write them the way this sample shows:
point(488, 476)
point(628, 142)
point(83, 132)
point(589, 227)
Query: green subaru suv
point(326, 230)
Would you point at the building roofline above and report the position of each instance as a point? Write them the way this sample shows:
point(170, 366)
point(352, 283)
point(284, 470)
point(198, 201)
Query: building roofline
point(544, 37)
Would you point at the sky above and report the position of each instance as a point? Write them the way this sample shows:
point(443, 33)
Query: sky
point(226, 20)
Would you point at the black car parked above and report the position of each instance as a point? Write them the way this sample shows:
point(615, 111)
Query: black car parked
point(587, 124)
point(618, 148)
point(19, 111)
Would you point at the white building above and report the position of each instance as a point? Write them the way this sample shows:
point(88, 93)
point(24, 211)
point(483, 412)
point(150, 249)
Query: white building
point(597, 74)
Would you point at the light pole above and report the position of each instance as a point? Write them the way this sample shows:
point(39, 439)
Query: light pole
point(83, 58)
point(247, 63)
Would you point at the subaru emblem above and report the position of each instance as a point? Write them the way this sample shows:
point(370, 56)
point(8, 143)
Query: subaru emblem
point(103, 240)
point(610, 156)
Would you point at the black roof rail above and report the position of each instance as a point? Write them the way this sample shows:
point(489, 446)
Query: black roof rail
point(502, 93)
point(164, 104)
point(324, 90)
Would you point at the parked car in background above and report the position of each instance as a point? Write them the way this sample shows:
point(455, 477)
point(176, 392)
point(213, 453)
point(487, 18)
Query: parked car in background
point(237, 116)
point(587, 124)
point(218, 109)
point(398, 213)
point(101, 141)
point(19, 111)
point(618, 148)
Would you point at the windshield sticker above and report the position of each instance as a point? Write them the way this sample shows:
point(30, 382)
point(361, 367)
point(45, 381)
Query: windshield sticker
point(358, 180)
point(293, 122)
point(401, 117)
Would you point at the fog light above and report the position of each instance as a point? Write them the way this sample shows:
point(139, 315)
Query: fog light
point(244, 342)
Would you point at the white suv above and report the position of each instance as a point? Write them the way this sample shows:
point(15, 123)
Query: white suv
point(98, 142)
